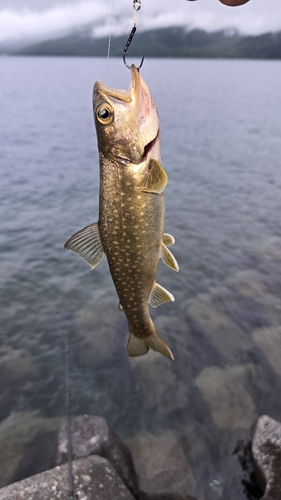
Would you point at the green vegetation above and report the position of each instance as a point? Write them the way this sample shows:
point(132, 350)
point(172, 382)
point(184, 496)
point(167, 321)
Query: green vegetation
point(165, 42)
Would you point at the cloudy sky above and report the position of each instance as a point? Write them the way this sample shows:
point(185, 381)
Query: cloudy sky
point(47, 18)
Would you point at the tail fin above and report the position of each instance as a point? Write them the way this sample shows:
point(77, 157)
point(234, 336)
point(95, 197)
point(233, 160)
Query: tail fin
point(138, 346)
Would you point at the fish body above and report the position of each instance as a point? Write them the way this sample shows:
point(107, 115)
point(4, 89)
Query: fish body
point(130, 229)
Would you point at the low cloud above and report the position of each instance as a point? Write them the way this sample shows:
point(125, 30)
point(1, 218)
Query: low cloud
point(25, 23)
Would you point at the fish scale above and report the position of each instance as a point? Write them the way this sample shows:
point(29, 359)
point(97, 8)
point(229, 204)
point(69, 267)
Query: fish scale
point(133, 253)
point(130, 229)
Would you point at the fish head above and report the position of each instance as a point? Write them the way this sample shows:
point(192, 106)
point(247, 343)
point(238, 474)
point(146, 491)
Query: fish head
point(127, 122)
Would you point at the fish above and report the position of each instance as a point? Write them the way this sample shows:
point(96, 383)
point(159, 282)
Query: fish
point(130, 227)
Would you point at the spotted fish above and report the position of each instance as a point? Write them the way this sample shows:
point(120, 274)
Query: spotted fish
point(130, 229)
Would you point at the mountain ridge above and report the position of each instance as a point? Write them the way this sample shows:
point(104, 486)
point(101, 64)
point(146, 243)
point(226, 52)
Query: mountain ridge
point(162, 42)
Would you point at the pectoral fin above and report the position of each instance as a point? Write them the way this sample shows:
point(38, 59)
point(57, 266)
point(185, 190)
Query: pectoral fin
point(168, 258)
point(87, 244)
point(160, 295)
point(154, 179)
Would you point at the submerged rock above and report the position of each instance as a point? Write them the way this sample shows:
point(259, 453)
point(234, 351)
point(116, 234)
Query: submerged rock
point(224, 390)
point(269, 340)
point(94, 479)
point(266, 450)
point(247, 283)
point(270, 250)
point(208, 312)
point(16, 366)
point(154, 367)
point(29, 444)
point(96, 325)
point(161, 464)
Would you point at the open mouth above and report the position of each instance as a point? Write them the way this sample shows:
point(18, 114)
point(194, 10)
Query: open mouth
point(149, 146)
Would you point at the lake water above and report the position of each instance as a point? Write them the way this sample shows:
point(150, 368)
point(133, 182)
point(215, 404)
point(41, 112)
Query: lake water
point(221, 147)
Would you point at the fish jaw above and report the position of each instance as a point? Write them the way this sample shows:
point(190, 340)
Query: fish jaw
point(127, 122)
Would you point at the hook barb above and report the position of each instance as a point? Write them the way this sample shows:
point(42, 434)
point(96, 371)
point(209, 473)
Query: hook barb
point(127, 45)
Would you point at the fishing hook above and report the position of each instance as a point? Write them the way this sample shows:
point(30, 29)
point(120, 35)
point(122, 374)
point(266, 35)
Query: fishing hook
point(136, 6)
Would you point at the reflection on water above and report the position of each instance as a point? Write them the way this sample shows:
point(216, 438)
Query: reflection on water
point(221, 149)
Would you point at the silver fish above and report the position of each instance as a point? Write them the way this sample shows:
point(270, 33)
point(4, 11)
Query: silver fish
point(130, 229)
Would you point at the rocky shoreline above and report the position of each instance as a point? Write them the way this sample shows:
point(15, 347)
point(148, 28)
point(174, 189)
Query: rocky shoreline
point(103, 466)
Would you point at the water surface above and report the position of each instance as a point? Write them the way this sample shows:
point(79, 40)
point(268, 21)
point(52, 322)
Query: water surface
point(220, 130)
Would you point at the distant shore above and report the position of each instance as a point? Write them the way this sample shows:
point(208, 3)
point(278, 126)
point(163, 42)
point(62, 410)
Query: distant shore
point(174, 42)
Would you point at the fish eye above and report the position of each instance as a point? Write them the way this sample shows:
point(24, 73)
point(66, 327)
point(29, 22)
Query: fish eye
point(104, 114)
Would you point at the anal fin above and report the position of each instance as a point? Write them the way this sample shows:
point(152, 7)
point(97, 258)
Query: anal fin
point(168, 258)
point(168, 239)
point(87, 244)
point(160, 295)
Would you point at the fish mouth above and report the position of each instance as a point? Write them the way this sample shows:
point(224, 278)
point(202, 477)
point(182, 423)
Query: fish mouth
point(134, 130)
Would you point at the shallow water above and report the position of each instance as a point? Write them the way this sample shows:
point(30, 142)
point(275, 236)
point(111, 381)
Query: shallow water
point(220, 126)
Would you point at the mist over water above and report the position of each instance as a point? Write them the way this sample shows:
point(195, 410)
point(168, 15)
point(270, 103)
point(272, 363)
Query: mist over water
point(221, 148)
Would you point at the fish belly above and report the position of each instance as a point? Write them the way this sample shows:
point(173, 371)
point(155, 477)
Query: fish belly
point(131, 227)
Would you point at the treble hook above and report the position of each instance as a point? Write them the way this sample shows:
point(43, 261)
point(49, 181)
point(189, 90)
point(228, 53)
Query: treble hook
point(136, 6)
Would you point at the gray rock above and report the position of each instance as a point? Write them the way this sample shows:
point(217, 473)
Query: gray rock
point(224, 390)
point(96, 326)
point(165, 496)
point(269, 308)
point(94, 479)
point(16, 365)
point(269, 340)
point(29, 442)
point(270, 250)
point(161, 464)
point(208, 312)
point(248, 283)
point(266, 450)
point(92, 436)
point(157, 395)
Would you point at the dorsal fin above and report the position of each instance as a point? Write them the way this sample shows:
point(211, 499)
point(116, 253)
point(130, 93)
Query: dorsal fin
point(154, 179)
point(87, 244)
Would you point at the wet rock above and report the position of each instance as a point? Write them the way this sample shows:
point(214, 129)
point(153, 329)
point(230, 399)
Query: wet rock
point(224, 390)
point(247, 283)
point(94, 479)
point(161, 465)
point(266, 449)
point(92, 436)
point(269, 308)
point(269, 340)
point(174, 330)
point(165, 496)
point(208, 312)
point(16, 365)
point(29, 442)
point(270, 250)
point(166, 393)
point(96, 327)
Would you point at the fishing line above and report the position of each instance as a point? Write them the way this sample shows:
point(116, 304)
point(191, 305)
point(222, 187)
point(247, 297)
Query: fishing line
point(109, 37)
point(68, 413)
